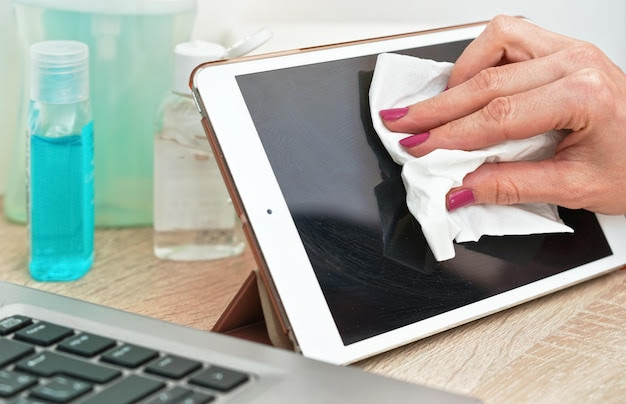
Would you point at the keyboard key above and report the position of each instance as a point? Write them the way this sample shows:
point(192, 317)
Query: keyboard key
point(128, 390)
point(197, 398)
point(11, 351)
point(12, 383)
point(86, 345)
point(129, 356)
point(13, 323)
point(219, 378)
point(28, 400)
point(173, 367)
point(61, 389)
point(50, 364)
point(171, 396)
point(43, 333)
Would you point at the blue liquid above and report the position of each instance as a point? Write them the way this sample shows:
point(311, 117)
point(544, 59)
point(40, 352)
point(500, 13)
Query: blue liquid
point(61, 206)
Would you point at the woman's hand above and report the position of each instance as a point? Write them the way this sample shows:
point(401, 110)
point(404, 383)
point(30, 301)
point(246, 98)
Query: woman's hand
point(517, 80)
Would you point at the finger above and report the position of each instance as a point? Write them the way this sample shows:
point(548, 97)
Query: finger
point(549, 181)
point(557, 105)
point(505, 40)
point(494, 82)
point(478, 91)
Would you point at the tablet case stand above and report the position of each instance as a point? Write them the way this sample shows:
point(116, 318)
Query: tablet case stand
point(250, 315)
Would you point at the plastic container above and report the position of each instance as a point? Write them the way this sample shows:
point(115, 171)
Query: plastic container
point(9, 96)
point(194, 218)
point(130, 43)
point(60, 162)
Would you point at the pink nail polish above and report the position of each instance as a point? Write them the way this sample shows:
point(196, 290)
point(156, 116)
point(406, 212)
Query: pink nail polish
point(414, 140)
point(393, 114)
point(460, 198)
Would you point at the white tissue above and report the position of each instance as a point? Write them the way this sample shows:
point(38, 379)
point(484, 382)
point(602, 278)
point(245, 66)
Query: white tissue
point(400, 81)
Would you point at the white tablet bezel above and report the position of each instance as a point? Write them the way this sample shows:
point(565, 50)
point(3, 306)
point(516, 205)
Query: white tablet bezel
point(263, 208)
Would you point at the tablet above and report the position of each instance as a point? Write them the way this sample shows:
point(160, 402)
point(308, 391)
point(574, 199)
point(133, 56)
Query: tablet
point(324, 207)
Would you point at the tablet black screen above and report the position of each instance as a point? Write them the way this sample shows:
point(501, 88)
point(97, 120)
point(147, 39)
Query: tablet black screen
point(349, 205)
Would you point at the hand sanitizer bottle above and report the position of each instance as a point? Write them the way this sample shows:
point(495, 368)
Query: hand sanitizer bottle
point(193, 215)
point(60, 162)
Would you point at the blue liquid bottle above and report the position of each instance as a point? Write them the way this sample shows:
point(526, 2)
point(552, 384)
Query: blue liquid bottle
point(60, 162)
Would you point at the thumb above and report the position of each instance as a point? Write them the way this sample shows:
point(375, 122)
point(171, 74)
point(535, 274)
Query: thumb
point(512, 183)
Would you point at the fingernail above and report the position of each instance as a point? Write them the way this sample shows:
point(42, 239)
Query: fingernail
point(414, 140)
point(460, 198)
point(393, 114)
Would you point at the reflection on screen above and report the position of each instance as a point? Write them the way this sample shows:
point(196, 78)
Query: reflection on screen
point(349, 205)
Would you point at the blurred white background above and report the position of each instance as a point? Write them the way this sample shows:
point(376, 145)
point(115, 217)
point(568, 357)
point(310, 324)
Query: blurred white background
point(301, 23)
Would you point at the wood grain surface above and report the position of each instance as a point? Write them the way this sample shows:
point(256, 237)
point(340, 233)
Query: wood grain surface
point(569, 347)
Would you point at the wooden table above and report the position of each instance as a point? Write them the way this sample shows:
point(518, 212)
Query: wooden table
point(564, 348)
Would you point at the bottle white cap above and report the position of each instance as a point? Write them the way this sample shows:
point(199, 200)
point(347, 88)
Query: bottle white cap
point(59, 72)
point(188, 55)
point(249, 43)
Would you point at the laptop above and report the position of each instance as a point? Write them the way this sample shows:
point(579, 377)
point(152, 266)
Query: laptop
point(57, 349)
point(347, 268)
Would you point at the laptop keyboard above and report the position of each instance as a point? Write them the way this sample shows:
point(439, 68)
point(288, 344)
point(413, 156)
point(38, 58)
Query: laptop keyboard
point(42, 362)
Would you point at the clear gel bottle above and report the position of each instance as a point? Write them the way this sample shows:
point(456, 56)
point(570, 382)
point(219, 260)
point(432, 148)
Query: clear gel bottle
point(60, 162)
point(193, 215)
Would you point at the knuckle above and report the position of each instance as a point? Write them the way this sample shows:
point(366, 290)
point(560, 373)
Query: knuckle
point(592, 90)
point(501, 24)
point(580, 188)
point(584, 53)
point(498, 112)
point(577, 197)
point(574, 196)
point(587, 190)
point(487, 79)
point(447, 135)
point(506, 191)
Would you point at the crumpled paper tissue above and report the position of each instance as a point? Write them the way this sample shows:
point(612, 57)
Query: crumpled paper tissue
point(400, 81)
